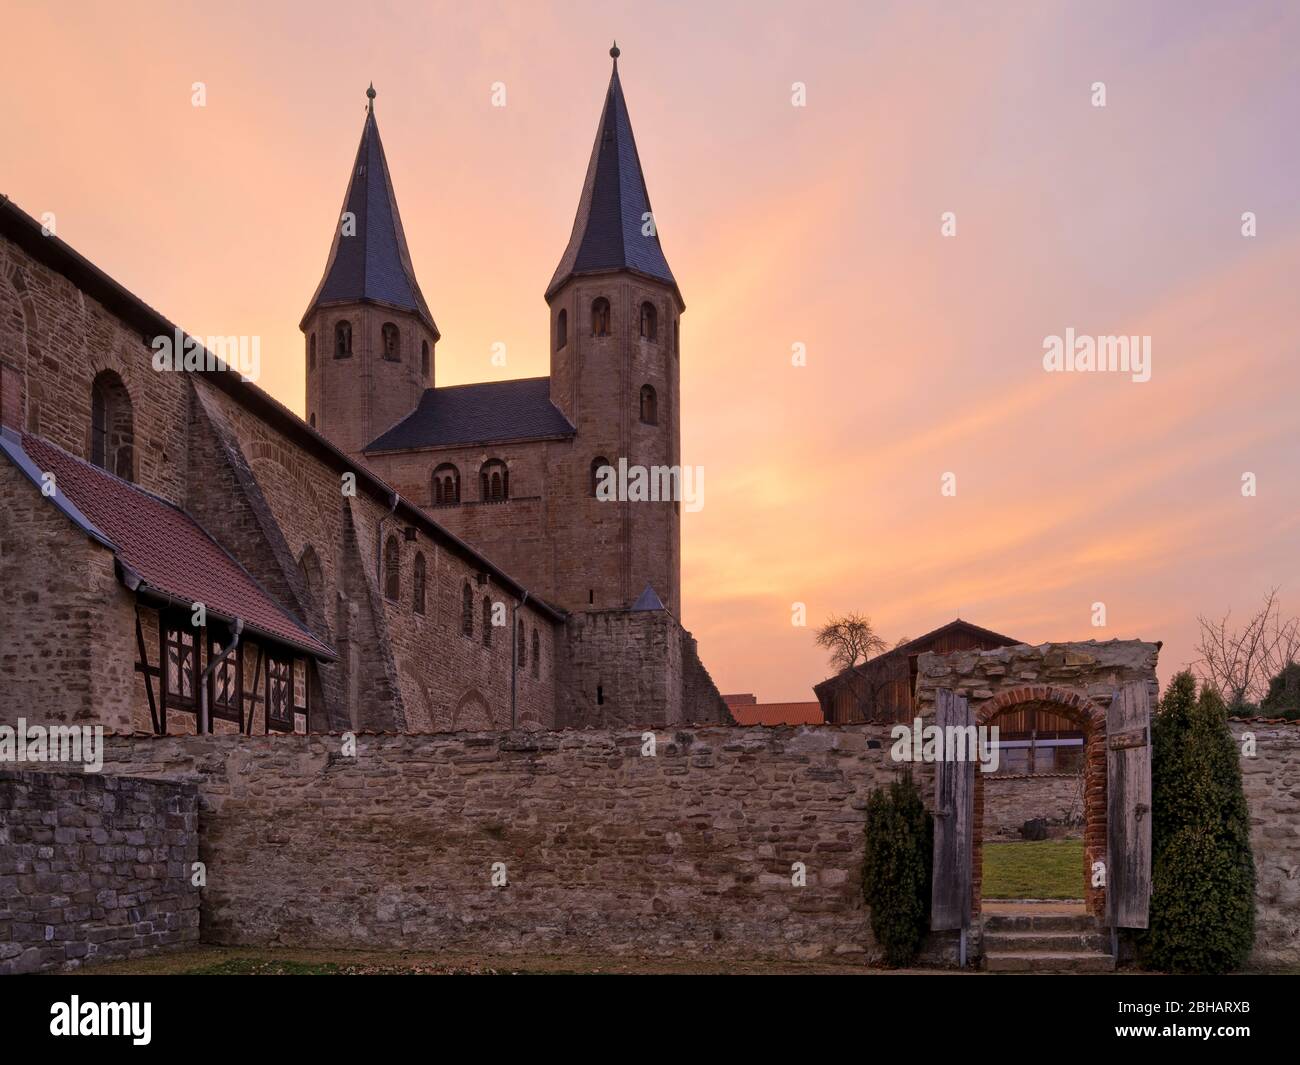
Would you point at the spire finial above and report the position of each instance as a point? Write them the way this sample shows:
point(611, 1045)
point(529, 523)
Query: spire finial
point(370, 95)
point(614, 52)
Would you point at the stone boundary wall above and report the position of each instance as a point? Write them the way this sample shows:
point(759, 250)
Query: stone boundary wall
point(94, 868)
point(605, 851)
point(1271, 781)
point(1010, 801)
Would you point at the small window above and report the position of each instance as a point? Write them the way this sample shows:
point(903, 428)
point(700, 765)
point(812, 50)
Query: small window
point(311, 352)
point(424, 359)
point(600, 317)
point(597, 464)
point(112, 426)
point(494, 481)
point(180, 653)
point(649, 322)
point(466, 610)
point(537, 654)
point(225, 683)
point(600, 695)
point(279, 693)
point(676, 337)
point(342, 339)
point(392, 342)
point(487, 622)
point(561, 329)
point(392, 569)
point(312, 420)
point(446, 485)
point(649, 405)
point(417, 581)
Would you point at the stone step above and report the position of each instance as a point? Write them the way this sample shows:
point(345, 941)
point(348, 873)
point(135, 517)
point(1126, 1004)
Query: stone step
point(1039, 922)
point(1075, 961)
point(1053, 942)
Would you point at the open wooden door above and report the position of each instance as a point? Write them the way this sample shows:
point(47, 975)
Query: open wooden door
point(954, 822)
point(1128, 807)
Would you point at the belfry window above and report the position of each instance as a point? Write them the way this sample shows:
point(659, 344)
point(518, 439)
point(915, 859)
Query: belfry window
point(424, 358)
point(494, 482)
point(561, 329)
point(311, 352)
point(600, 317)
point(112, 426)
point(392, 342)
point(342, 339)
point(598, 464)
point(649, 322)
point(649, 405)
point(446, 485)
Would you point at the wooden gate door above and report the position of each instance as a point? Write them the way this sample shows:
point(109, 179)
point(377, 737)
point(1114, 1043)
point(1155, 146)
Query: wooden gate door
point(954, 821)
point(1128, 807)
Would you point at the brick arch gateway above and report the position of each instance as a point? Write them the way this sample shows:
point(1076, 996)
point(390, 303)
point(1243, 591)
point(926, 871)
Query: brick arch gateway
point(1091, 719)
point(1107, 690)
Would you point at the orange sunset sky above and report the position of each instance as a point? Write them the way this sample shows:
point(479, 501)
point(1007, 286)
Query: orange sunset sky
point(816, 225)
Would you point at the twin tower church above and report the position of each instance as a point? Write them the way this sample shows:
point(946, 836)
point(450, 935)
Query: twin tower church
point(183, 541)
point(513, 467)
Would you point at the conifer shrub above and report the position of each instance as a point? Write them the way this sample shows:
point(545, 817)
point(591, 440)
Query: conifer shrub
point(1202, 917)
point(1283, 698)
point(897, 871)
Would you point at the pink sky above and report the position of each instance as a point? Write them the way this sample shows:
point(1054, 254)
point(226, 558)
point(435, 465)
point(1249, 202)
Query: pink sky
point(817, 225)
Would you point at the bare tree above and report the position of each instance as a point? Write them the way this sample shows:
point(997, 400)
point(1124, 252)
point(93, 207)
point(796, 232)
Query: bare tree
point(849, 638)
point(1240, 661)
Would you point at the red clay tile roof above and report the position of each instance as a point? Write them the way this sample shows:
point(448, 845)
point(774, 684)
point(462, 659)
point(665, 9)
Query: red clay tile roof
point(777, 713)
point(168, 549)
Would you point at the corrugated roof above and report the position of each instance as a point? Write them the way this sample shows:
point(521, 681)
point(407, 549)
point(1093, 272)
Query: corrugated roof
point(372, 264)
point(488, 412)
point(167, 548)
point(607, 230)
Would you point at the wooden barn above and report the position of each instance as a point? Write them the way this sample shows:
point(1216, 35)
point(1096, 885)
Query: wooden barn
point(883, 688)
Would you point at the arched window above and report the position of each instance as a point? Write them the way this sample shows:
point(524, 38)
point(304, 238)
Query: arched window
point(649, 322)
point(466, 610)
point(600, 317)
point(424, 358)
point(342, 339)
point(487, 622)
point(597, 464)
point(521, 647)
point(417, 580)
point(446, 485)
point(494, 481)
point(649, 405)
point(561, 329)
point(392, 569)
point(392, 342)
point(537, 655)
point(112, 426)
point(311, 352)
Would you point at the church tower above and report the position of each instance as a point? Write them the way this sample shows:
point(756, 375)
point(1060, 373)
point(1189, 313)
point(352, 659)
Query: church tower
point(370, 337)
point(614, 308)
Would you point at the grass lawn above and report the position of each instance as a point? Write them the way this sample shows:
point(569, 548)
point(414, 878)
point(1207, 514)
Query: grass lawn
point(1041, 869)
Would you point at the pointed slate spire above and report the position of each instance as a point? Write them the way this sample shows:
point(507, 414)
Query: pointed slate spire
point(613, 208)
point(373, 264)
point(648, 600)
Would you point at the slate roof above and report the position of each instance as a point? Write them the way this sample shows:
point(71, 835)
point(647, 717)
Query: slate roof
point(373, 265)
point(166, 547)
point(488, 412)
point(648, 600)
point(607, 228)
